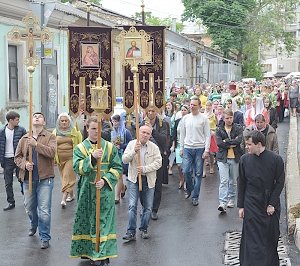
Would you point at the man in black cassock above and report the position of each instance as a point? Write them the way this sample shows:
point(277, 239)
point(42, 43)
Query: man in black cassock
point(261, 180)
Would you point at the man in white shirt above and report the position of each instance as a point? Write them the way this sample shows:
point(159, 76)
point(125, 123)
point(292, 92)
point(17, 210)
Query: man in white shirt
point(10, 135)
point(194, 147)
point(151, 161)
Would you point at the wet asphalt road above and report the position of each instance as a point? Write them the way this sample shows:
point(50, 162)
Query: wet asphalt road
point(183, 234)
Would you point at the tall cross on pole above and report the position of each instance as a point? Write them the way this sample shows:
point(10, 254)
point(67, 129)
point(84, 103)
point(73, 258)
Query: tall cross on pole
point(30, 34)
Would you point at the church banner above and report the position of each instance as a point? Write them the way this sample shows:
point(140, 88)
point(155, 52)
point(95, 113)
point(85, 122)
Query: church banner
point(151, 74)
point(90, 53)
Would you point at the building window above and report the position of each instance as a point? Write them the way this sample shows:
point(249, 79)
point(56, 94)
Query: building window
point(13, 73)
point(266, 67)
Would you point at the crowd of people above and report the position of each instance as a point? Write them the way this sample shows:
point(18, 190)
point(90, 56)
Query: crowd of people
point(209, 130)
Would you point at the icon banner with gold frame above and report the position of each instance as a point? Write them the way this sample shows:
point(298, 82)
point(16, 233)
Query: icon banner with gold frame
point(134, 47)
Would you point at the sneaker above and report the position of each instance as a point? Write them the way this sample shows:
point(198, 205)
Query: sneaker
point(187, 194)
point(145, 234)
point(195, 202)
point(129, 237)
point(154, 216)
point(31, 231)
point(69, 198)
point(63, 204)
point(44, 244)
point(222, 208)
point(230, 204)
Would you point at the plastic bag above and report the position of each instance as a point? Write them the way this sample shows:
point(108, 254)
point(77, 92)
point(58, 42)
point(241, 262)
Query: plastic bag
point(286, 112)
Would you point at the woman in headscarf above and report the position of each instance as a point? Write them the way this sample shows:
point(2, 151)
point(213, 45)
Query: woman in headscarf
point(120, 137)
point(67, 137)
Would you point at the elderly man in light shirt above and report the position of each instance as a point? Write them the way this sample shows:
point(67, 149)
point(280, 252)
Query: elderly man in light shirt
point(194, 147)
point(151, 161)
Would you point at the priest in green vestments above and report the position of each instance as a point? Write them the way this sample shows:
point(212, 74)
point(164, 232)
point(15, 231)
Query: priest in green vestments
point(85, 165)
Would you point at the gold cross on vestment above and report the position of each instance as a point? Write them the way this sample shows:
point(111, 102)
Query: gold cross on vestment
point(32, 33)
point(158, 80)
point(144, 81)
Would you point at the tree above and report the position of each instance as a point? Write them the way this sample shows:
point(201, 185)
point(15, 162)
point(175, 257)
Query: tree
point(241, 27)
point(156, 21)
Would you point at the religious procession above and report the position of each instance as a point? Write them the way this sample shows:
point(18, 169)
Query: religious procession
point(137, 169)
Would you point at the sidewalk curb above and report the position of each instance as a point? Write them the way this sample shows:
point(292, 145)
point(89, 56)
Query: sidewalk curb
point(297, 233)
point(293, 182)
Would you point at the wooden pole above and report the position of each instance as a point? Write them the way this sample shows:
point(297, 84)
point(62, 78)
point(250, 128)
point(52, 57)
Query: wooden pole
point(30, 70)
point(134, 70)
point(98, 179)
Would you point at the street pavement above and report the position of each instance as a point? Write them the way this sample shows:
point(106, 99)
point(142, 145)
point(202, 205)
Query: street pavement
point(183, 234)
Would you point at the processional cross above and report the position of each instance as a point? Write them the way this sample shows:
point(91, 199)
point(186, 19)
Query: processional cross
point(30, 34)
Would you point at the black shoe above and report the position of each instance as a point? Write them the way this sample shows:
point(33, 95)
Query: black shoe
point(187, 194)
point(129, 237)
point(117, 201)
point(154, 216)
point(195, 202)
point(32, 231)
point(44, 244)
point(98, 262)
point(123, 193)
point(9, 207)
point(106, 262)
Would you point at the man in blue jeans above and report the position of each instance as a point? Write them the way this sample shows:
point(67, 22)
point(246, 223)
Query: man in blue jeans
point(38, 202)
point(194, 147)
point(10, 135)
point(150, 162)
point(229, 138)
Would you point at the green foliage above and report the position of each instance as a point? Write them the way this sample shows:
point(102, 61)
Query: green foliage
point(241, 27)
point(156, 21)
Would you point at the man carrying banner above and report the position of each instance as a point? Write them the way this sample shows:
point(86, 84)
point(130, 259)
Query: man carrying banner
point(84, 230)
point(38, 201)
point(151, 161)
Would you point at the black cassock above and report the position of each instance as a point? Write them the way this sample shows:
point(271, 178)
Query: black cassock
point(261, 180)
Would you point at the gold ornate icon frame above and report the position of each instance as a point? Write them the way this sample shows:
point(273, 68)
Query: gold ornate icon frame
point(134, 47)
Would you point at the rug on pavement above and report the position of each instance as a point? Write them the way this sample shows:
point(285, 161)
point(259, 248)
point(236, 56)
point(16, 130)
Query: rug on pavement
point(232, 246)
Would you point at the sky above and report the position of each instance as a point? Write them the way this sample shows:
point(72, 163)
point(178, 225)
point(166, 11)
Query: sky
point(159, 8)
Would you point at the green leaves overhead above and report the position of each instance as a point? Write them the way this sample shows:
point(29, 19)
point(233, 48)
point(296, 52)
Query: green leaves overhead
point(240, 27)
point(156, 21)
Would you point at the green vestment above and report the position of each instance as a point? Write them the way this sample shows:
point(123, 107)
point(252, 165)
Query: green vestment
point(84, 229)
